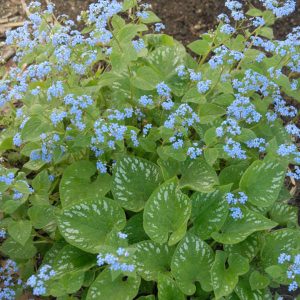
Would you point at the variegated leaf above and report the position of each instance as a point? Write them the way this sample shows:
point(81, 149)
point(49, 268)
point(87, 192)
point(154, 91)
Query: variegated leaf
point(168, 289)
point(199, 176)
point(235, 231)
point(262, 182)
point(119, 289)
point(87, 224)
point(133, 182)
point(167, 212)
point(225, 279)
point(152, 259)
point(191, 263)
point(76, 183)
point(279, 241)
point(209, 212)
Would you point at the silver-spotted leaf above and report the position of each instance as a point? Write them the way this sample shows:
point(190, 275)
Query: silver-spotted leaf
point(199, 176)
point(262, 182)
point(87, 224)
point(279, 241)
point(20, 231)
point(119, 289)
point(76, 183)
point(209, 213)
point(244, 291)
point(133, 182)
point(224, 279)
point(191, 263)
point(247, 248)
point(168, 289)
point(151, 259)
point(235, 231)
point(167, 212)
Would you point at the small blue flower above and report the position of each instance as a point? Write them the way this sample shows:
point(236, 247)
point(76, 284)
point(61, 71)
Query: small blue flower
point(159, 27)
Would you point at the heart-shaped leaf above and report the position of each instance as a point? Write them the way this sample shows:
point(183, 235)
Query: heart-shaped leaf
point(133, 182)
point(225, 279)
point(20, 231)
point(279, 241)
point(168, 289)
point(234, 231)
point(167, 212)
point(76, 183)
point(152, 259)
point(191, 263)
point(87, 224)
point(199, 176)
point(262, 182)
point(209, 213)
point(247, 248)
point(119, 289)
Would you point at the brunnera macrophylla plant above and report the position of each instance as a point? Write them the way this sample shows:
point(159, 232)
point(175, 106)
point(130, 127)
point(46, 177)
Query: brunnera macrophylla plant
point(133, 168)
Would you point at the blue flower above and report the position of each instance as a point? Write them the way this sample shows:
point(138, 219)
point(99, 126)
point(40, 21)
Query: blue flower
point(259, 143)
point(203, 86)
point(163, 90)
point(159, 27)
point(226, 28)
point(138, 45)
point(17, 141)
point(146, 100)
point(234, 149)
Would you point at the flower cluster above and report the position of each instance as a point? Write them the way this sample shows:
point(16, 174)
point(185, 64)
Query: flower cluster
point(117, 261)
point(293, 269)
point(37, 282)
point(9, 280)
point(236, 212)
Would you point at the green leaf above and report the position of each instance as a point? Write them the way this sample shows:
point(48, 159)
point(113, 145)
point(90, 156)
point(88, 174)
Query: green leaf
point(42, 216)
point(254, 12)
point(208, 112)
point(258, 281)
point(235, 231)
point(165, 60)
point(135, 230)
point(66, 284)
point(244, 291)
point(167, 212)
point(88, 224)
point(167, 289)
point(134, 180)
point(247, 248)
point(191, 263)
point(262, 182)
point(152, 18)
point(192, 95)
point(33, 128)
point(233, 174)
point(225, 279)
point(146, 78)
point(209, 213)
point(76, 183)
point(20, 231)
point(170, 168)
point(284, 214)
point(199, 176)
point(200, 47)
point(127, 4)
point(279, 241)
point(16, 251)
point(151, 259)
point(119, 289)
point(266, 32)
